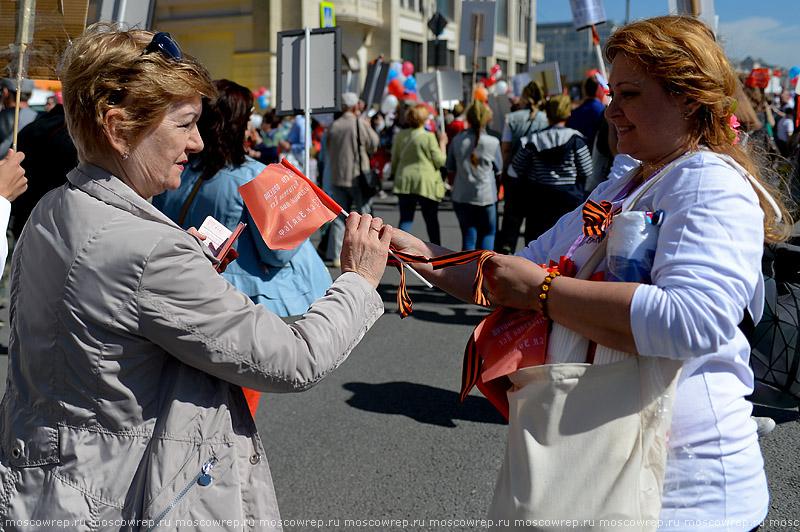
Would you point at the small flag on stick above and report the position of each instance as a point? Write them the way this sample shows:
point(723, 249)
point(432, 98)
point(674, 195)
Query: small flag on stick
point(286, 206)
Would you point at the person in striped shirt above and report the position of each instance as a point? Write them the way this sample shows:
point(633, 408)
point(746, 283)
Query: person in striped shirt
point(554, 164)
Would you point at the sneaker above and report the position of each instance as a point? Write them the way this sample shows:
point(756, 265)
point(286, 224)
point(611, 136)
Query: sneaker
point(764, 424)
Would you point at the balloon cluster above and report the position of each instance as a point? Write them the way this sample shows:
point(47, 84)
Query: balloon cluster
point(495, 74)
point(402, 85)
point(262, 97)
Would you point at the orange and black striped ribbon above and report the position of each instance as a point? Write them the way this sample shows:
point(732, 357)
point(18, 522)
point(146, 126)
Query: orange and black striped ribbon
point(597, 217)
point(471, 368)
point(443, 261)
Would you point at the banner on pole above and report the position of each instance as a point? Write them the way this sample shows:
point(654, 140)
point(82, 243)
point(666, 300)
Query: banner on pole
point(485, 12)
point(586, 13)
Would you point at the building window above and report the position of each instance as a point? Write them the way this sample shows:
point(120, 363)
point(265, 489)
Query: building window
point(502, 17)
point(503, 67)
point(521, 67)
point(413, 5)
point(523, 27)
point(411, 51)
point(447, 8)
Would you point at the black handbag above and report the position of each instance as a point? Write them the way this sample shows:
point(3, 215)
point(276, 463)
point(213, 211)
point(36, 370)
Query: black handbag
point(368, 180)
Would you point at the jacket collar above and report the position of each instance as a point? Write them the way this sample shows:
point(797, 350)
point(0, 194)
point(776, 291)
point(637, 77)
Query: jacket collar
point(109, 189)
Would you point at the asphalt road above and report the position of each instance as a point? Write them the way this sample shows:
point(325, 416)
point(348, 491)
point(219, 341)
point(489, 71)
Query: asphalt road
point(383, 443)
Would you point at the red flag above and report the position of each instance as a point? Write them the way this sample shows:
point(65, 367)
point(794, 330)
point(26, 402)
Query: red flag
point(286, 207)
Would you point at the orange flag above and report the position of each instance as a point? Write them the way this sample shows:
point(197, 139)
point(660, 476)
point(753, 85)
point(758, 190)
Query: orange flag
point(286, 206)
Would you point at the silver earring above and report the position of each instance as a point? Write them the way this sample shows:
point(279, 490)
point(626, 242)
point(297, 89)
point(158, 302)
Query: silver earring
point(125, 156)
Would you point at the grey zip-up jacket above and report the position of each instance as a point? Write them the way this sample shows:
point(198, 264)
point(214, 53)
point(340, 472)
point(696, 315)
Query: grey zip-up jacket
point(123, 409)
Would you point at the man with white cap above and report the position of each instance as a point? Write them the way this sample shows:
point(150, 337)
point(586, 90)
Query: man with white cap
point(8, 86)
point(349, 143)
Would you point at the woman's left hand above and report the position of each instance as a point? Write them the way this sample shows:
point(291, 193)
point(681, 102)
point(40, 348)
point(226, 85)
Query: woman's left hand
point(513, 282)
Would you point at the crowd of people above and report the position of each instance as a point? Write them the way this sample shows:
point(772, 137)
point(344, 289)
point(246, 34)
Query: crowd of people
point(131, 359)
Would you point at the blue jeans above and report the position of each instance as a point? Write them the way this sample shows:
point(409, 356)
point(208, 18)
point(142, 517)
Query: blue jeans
point(478, 225)
point(349, 199)
point(430, 213)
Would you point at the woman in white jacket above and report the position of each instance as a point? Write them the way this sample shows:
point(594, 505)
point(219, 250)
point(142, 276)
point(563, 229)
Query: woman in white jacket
point(673, 96)
point(128, 351)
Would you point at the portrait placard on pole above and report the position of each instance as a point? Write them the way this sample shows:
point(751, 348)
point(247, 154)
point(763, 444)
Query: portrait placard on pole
point(548, 75)
point(484, 13)
point(450, 85)
point(377, 76)
point(325, 71)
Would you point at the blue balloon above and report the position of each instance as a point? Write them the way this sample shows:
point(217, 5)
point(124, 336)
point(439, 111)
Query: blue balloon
point(262, 101)
point(392, 74)
point(794, 72)
point(411, 83)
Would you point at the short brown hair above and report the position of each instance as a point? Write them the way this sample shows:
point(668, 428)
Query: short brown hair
point(416, 116)
point(104, 69)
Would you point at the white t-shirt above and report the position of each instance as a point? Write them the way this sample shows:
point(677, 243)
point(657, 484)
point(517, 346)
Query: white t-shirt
point(5, 215)
point(784, 129)
point(707, 270)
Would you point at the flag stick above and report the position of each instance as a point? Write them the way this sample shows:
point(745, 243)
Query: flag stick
point(343, 214)
point(332, 205)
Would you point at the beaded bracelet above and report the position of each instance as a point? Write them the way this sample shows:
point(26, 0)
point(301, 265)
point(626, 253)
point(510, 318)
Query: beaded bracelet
point(544, 291)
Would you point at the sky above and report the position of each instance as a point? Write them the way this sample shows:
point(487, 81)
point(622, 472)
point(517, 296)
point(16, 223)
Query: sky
point(768, 30)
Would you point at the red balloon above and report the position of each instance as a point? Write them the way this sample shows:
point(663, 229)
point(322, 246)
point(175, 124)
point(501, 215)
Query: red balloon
point(489, 82)
point(495, 69)
point(396, 88)
point(408, 68)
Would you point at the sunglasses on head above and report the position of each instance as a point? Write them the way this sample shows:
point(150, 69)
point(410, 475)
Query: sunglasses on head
point(165, 44)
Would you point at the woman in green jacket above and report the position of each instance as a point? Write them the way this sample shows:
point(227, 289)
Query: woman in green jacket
point(416, 159)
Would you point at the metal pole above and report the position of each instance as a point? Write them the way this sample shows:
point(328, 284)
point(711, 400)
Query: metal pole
point(598, 52)
point(476, 27)
point(531, 31)
point(123, 6)
point(439, 96)
point(308, 103)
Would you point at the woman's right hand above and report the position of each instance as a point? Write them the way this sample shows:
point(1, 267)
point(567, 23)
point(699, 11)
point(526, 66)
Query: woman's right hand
point(12, 176)
point(365, 247)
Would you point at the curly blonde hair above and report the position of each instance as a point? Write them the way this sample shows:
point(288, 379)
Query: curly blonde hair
point(682, 54)
point(104, 69)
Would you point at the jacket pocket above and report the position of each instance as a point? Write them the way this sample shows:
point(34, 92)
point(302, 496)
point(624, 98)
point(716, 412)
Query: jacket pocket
point(28, 439)
point(199, 491)
point(101, 464)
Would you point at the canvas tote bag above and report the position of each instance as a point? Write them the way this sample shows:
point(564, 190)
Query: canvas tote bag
point(587, 444)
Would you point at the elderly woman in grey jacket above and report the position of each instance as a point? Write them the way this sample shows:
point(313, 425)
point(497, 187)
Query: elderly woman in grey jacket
point(127, 350)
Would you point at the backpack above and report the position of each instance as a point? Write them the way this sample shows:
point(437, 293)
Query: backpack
point(775, 354)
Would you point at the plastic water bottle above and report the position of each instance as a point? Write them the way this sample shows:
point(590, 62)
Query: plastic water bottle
point(632, 241)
